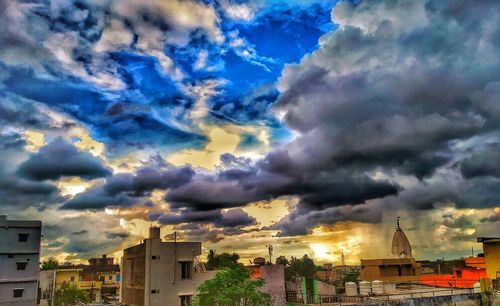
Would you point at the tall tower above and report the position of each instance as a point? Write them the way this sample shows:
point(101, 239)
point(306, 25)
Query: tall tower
point(400, 245)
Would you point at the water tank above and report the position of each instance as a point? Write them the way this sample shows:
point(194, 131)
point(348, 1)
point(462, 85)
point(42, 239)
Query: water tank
point(377, 287)
point(389, 287)
point(154, 232)
point(365, 288)
point(351, 289)
point(477, 287)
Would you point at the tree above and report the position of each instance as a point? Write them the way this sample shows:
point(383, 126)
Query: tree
point(230, 287)
point(220, 261)
point(282, 260)
point(298, 267)
point(68, 294)
point(49, 264)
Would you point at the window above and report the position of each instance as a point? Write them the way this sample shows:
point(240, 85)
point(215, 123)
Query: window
point(21, 265)
point(185, 300)
point(110, 277)
point(10, 256)
point(18, 293)
point(154, 257)
point(45, 296)
point(155, 291)
point(186, 267)
point(72, 279)
point(22, 237)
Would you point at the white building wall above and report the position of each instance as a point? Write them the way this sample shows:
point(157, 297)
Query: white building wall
point(164, 274)
point(13, 251)
point(163, 283)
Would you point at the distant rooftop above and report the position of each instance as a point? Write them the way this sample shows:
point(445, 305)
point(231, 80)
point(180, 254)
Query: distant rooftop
point(488, 239)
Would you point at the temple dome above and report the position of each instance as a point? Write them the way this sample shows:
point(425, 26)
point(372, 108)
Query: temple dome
point(400, 245)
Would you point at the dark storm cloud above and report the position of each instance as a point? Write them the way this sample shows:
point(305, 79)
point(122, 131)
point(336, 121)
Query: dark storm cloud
point(96, 198)
point(59, 159)
point(117, 235)
point(148, 179)
point(234, 218)
point(303, 219)
point(483, 163)
point(356, 111)
point(17, 192)
point(231, 218)
point(493, 218)
point(125, 189)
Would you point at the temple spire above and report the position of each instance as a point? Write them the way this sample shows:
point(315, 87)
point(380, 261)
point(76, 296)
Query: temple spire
point(400, 245)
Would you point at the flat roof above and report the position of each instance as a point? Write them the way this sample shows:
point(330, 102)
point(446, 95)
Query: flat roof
point(4, 222)
point(488, 239)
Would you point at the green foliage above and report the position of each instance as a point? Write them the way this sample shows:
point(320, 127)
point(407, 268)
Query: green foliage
point(68, 294)
point(298, 267)
point(231, 287)
point(350, 277)
point(282, 260)
point(220, 261)
point(49, 264)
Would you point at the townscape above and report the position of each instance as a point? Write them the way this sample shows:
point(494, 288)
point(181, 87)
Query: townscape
point(249, 152)
point(157, 272)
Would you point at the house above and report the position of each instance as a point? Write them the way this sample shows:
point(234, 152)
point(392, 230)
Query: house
point(274, 280)
point(100, 279)
point(491, 249)
point(19, 261)
point(157, 273)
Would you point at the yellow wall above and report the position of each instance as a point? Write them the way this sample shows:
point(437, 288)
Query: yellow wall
point(107, 281)
point(65, 276)
point(492, 257)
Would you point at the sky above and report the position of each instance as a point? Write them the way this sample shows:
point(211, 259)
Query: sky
point(310, 125)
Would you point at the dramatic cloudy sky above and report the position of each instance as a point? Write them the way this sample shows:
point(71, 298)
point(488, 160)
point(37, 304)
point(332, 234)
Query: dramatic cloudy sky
point(310, 125)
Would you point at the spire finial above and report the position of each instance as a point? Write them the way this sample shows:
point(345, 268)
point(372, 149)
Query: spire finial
point(398, 221)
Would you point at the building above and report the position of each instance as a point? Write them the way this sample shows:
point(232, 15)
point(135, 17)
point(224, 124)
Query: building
point(158, 273)
point(100, 279)
point(46, 287)
point(491, 249)
point(402, 268)
point(461, 276)
point(337, 274)
point(441, 266)
point(19, 261)
point(394, 270)
point(274, 279)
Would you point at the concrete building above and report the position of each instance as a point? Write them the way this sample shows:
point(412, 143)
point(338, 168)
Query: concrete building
point(333, 274)
point(491, 249)
point(46, 287)
point(158, 273)
point(274, 280)
point(390, 270)
point(100, 279)
point(19, 261)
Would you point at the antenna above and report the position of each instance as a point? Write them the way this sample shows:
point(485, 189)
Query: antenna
point(270, 249)
point(398, 221)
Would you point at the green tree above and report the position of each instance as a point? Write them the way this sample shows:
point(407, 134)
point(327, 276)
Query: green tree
point(230, 287)
point(220, 261)
point(282, 260)
point(68, 294)
point(49, 264)
point(300, 267)
point(350, 277)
